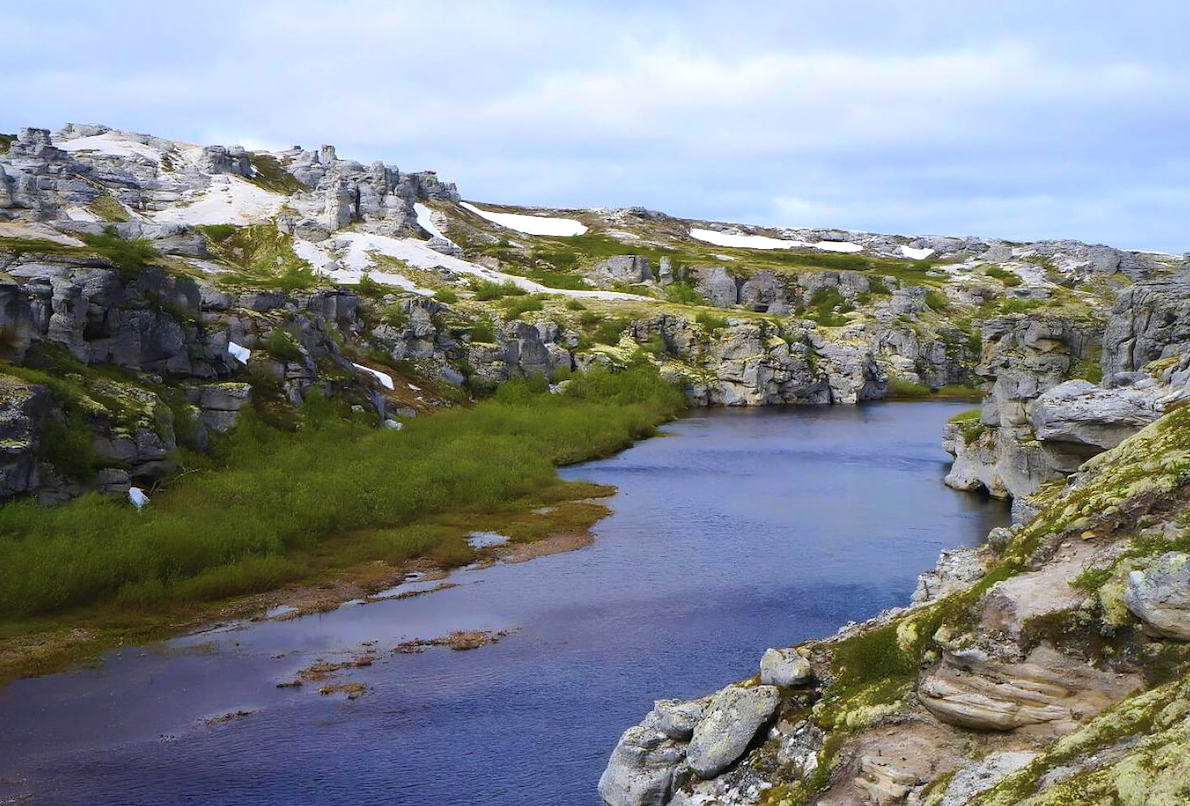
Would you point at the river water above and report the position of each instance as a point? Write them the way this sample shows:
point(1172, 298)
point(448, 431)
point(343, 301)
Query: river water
point(739, 531)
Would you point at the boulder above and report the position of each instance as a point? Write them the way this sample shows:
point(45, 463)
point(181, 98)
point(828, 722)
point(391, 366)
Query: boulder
point(784, 667)
point(624, 269)
point(1159, 595)
point(732, 721)
point(641, 769)
point(1079, 413)
point(716, 285)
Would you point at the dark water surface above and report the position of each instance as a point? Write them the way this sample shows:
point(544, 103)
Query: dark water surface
point(744, 530)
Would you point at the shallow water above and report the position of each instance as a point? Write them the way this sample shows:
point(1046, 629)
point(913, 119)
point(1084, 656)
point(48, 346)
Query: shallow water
point(743, 530)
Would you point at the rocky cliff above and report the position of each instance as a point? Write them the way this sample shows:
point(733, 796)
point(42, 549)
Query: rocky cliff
point(153, 288)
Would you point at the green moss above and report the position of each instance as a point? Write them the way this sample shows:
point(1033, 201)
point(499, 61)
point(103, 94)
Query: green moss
point(6, 141)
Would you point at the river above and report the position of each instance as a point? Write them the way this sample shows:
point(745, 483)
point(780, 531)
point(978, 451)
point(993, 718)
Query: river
point(738, 531)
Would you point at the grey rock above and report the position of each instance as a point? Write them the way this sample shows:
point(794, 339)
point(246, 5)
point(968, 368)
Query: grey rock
point(991, 769)
point(732, 721)
point(1159, 595)
point(784, 667)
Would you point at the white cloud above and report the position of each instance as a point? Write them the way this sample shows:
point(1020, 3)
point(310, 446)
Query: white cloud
point(921, 116)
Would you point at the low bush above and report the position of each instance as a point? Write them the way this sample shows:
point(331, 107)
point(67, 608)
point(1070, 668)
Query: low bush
point(231, 530)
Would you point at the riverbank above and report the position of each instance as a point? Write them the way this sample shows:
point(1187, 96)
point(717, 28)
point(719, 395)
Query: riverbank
point(338, 504)
point(741, 529)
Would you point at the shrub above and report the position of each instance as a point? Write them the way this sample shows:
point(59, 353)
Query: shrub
point(589, 318)
point(483, 332)
point(683, 293)
point(128, 257)
point(236, 529)
point(575, 305)
point(710, 322)
point(1005, 276)
point(488, 290)
point(609, 331)
point(515, 306)
point(936, 300)
point(395, 317)
point(904, 388)
point(446, 295)
point(281, 345)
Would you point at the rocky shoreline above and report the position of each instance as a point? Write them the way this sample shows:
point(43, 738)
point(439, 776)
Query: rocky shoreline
point(1007, 652)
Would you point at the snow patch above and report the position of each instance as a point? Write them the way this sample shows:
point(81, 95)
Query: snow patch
point(745, 241)
point(384, 378)
point(241, 354)
point(530, 224)
point(838, 246)
point(113, 143)
point(426, 221)
point(916, 254)
point(137, 497)
point(229, 200)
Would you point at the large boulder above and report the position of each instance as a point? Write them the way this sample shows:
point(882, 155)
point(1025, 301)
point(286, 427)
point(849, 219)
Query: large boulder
point(716, 285)
point(784, 667)
point(732, 721)
point(1159, 595)
point(624, 269)
point(642, 768)
point(1080, 413)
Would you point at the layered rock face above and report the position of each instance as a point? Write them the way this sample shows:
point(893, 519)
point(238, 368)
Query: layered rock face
point(122, 368)
point(1036, 425)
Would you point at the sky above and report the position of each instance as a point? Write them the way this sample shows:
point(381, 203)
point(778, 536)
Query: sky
point(1019, 120)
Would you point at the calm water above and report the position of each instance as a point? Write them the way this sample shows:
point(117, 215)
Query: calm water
point(741, 531)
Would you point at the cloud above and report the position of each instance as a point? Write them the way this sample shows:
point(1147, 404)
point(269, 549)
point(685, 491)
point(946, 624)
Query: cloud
point(1003, 118)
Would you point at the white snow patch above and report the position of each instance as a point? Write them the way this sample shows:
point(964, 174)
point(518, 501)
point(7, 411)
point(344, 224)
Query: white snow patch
point(385, 379)
point(239, 353)
point(916, 254)
point(312, 253)
point(838, 246)
point(530, 224)
point(726, 257)
point(745, 241)
point(137, 497)
point(425, 220)
point(229, 200)
point(114, 143)
point(354, 249)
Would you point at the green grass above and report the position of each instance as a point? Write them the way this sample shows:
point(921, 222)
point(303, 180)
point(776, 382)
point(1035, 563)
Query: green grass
point(228, 530)
point(683, 293)
point(261, 255)
point(710, 322)
point(907, 389)
point(483, 332)
point(827, 306)
point(486, 290)
point(281, 345)
point(6, 141)
point(270, 175)
point(965, 415)
point(107, 208)
point(446, 295)
point(1005, 276)
point(515, 306)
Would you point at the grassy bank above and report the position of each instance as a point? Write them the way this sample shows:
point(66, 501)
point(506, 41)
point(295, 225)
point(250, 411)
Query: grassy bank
point(247, 522)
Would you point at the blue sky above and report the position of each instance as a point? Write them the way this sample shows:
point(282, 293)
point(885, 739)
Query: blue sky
point(1012, 119)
